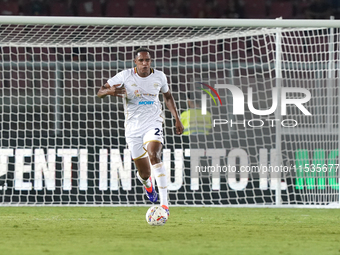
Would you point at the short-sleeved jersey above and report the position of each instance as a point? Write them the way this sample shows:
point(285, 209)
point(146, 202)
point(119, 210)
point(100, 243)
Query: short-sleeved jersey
point(142, 107)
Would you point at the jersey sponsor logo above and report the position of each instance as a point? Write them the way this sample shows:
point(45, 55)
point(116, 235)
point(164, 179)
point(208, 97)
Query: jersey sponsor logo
point(146, 102)
point(136, 92)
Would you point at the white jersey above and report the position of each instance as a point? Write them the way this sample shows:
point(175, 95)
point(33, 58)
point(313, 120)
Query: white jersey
point(142, 107)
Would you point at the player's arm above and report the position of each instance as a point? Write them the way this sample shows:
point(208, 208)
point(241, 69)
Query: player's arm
point(170, 103)
point(107, 90)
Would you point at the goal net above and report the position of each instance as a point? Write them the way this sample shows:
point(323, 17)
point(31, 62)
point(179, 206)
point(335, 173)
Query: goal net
point(259, 100)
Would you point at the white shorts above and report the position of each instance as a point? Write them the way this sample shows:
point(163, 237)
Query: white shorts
point(138, 145)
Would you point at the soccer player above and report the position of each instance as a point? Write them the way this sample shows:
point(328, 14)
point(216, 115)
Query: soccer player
point(140, 88)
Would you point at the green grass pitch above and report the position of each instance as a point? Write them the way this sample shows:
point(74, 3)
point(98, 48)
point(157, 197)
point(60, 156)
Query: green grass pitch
point(190, 230)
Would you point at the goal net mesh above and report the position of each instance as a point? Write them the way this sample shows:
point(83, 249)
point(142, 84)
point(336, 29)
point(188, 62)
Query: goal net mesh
point(61, 144)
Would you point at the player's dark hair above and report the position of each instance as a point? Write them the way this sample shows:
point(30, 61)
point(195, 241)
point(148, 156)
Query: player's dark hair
point(142, 50)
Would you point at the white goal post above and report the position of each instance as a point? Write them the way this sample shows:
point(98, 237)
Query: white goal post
point(271, 88)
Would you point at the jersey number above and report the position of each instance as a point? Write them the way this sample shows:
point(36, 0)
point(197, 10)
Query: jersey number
point(157, 131)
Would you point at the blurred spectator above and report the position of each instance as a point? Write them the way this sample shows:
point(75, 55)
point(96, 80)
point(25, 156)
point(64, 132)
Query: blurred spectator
point(166, 8)
point(182, 8)
point(131, 4)
point(90, 8)
point(72, 7)
point(175, 8)
point(295, 6)
point(9, 7)
point(234, 10)
point(318, 9)
point(38, 8)
point(209, 10)
point(160, 7)
point(336, 8)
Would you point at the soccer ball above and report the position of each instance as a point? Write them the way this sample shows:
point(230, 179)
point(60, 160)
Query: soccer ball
point(156, 216)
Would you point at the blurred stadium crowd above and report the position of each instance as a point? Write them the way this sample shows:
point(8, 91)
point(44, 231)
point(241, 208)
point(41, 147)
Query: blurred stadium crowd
point(317, 9)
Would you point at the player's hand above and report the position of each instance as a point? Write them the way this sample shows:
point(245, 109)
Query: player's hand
point(179, 127)
point(115, 91)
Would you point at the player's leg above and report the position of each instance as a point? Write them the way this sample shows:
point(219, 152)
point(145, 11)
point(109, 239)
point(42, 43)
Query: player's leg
point(140, 157)
point(143, 167)
point(144, 176)
point(154, 149)
point(153, 141)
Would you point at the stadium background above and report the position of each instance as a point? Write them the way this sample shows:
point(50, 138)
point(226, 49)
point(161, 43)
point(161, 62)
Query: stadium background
point(36, 125)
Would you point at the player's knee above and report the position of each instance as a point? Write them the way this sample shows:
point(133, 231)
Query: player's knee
point(155, 157)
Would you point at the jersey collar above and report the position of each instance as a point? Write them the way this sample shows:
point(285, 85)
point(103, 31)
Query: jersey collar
point(151, 70)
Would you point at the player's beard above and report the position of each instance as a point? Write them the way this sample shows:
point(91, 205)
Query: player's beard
point(145, 71)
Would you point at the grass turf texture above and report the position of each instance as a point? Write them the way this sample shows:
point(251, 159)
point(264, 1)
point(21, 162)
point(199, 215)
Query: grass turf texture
point(123, 230)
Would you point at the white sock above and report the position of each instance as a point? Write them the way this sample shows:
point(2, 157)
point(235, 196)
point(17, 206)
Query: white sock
point(161, 178)
point(147, 183)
